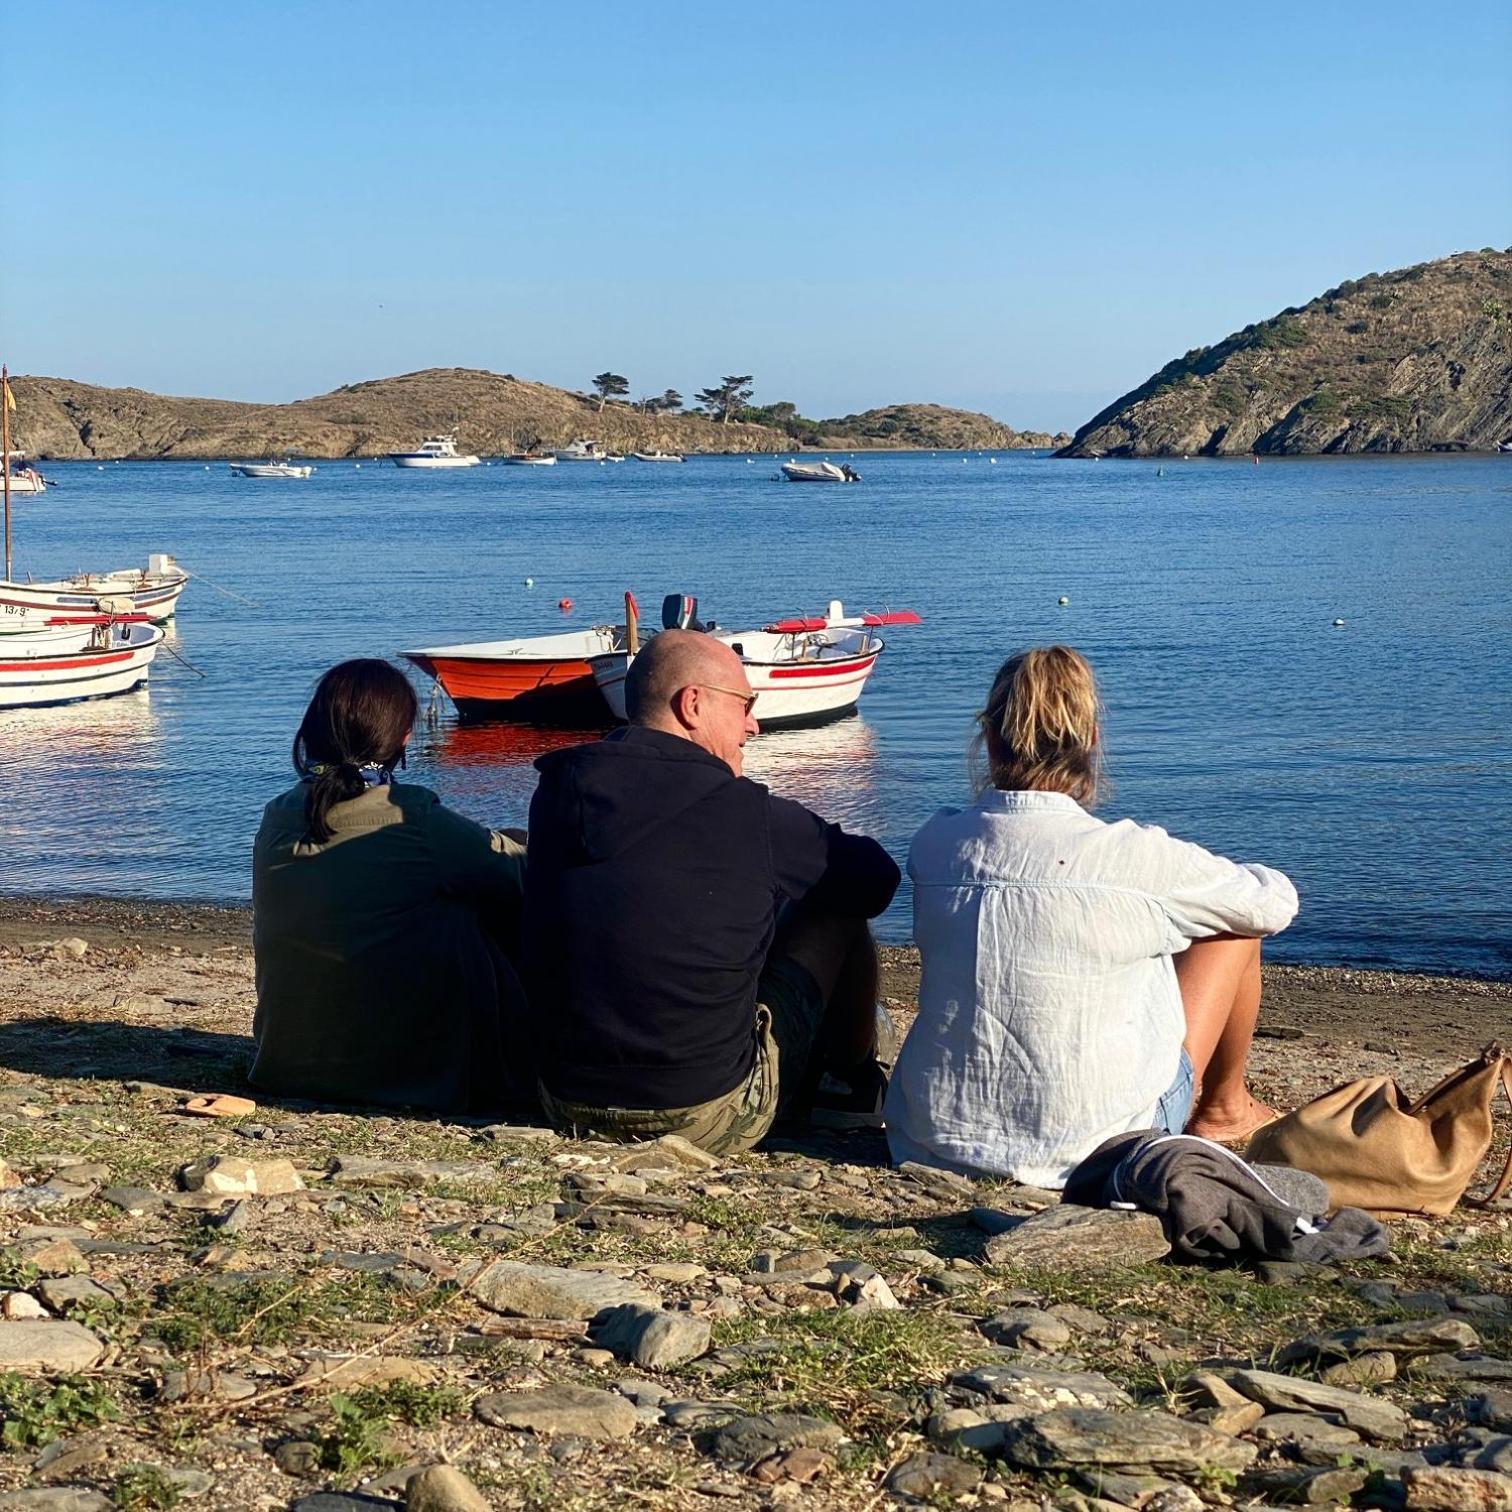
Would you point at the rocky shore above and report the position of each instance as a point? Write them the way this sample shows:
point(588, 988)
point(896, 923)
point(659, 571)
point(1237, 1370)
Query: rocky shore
point(320, 1308)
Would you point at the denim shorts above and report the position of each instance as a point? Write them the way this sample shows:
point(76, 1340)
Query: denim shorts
point(1173, 1110)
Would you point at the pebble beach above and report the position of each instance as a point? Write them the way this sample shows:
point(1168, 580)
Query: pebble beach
point(331, 1309)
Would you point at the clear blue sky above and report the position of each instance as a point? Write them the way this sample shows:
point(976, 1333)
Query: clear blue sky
point(1023, 209)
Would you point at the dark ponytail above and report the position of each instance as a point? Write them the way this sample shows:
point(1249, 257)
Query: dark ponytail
point(360, 715)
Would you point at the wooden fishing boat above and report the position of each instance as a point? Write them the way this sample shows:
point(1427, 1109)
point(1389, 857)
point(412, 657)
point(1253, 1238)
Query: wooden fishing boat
point(803, 671)
point(116, 659)
point(153, 591)
point(543, 677)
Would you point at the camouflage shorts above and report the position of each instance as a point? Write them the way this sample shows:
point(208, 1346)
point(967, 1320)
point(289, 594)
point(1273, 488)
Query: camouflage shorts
point(788, 1019)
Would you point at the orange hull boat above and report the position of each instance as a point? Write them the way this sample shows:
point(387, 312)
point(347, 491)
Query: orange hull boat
point(544, 678)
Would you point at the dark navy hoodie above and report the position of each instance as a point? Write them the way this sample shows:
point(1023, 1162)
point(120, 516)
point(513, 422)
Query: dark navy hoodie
point(652, 885)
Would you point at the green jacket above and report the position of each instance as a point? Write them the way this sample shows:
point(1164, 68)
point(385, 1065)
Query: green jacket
point(382, 973)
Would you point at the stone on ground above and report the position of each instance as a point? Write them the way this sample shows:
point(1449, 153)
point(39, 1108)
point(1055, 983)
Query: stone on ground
point(560, 1409)
point(56, 1499)
point(1375, 1417)
point(443, 1488)
point(553, 1291)
point(1079, 1238)
point(1038, 1389)
point(651, 1336)
point(930, 1474)
point(360, 1171)
point(1072, 1438)
point(1440, 1489)
point(1028, 1328)
point(47, 1345)
point(1404, 1340)
point(748, 1439)
point(231, 1176)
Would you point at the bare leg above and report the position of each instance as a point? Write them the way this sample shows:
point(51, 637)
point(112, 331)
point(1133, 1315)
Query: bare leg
point(841, 957)
point(1220, 993)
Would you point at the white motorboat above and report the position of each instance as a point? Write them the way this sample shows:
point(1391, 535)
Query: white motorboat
point(583, 450)
point(153, 591)
point(23, 479)
point(656, 456)
point(435, 451)
point(531, 459)
point(803, 671)
point(820, 472)
point(116, 659)
point(271, 469)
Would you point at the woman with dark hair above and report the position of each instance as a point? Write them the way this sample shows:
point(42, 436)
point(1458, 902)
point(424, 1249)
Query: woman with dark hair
point(382, 922)
point(1080, 979)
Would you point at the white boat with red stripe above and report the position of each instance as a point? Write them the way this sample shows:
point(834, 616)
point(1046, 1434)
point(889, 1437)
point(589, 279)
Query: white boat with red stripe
point(803, 671)
point(153, 591)
point(116, 658)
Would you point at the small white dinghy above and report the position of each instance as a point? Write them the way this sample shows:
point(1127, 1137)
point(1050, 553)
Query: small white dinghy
point(656, 456)
point(803, 671)
point(820, 472)
point(271, 469)
point(115, 659)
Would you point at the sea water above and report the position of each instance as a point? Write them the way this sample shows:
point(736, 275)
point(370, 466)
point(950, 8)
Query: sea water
point(1372, 760)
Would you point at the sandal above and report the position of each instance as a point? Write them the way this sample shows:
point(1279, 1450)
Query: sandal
point(219, 1105)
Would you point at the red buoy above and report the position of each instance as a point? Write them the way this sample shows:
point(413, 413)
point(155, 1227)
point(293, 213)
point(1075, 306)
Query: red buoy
point(564, 604)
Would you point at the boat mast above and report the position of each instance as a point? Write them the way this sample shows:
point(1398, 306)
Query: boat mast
point(5, 408)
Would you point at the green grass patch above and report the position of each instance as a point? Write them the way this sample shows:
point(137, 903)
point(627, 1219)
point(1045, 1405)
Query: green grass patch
point(357, 1439)
point(409, 1402)
point(818, 1359)
point(143, 1488)
point(34, 1413)
point(256, 1310)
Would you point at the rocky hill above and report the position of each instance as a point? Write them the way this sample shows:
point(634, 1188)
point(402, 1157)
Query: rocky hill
point(1415, 360)
point(931, 427)
point(492, 413)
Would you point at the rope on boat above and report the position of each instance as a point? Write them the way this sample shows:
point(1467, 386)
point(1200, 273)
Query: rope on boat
point(432, 713)
point(201, 578)
point(180, 657)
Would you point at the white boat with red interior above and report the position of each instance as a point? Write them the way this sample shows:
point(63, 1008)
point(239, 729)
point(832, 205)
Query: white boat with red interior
point(804, 670)
point(153, 591)
point(115, 658)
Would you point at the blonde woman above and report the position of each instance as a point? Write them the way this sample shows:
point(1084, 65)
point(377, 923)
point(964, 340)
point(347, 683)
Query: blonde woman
point(1080, 978)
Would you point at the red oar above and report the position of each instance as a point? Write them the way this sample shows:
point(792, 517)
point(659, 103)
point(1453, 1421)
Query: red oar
point(892, 617)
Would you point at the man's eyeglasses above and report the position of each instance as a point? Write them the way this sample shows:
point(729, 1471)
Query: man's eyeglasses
point(748, 699)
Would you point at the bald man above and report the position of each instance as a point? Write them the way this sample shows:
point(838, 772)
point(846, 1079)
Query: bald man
point(665, 997)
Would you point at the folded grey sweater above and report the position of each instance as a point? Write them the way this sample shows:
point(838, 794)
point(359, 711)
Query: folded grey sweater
point(1213, 1205)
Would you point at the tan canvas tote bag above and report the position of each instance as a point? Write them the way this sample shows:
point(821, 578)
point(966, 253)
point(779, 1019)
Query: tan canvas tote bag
point(1381, 1152)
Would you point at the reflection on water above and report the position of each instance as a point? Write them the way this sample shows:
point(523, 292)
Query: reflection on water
point(86, 776)
point(495, 745)
point(488, 770)
point(831, 769)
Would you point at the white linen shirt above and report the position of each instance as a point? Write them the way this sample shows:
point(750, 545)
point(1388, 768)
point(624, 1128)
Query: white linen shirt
point(1049, 1014)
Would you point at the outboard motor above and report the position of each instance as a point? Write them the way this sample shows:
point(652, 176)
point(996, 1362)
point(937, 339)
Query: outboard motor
point(680, 612)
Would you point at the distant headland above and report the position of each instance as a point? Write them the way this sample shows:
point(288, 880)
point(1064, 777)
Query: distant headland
point(1416, 360)
point(492, 413)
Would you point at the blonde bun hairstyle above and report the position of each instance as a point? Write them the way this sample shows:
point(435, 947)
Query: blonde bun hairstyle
point(1039, 729)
